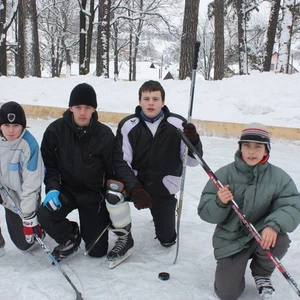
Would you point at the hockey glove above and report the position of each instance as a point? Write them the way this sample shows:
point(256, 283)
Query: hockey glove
point(52, 201)
point(31, 227)
point(141, 198)
point(190, 132)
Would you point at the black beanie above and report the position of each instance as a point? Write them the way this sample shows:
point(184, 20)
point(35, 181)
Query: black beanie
point(83, 94)
point(12, 113)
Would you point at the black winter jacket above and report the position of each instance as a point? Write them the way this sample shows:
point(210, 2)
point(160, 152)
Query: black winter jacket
point(77, 159)
point(154, 162)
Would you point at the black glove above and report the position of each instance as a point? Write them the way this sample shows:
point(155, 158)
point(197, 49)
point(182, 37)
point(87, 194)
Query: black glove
point(190, 132)
point(141, 198)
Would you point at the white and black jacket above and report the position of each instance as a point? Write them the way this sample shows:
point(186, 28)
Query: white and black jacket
point(149, 158)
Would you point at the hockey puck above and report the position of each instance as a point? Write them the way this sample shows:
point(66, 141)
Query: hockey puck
point(164, 276)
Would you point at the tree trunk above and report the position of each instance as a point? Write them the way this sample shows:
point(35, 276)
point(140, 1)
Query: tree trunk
point(219, 40)
point(116, 51)
point(82, 39)
point(188, 38)
point(29, 55)
point(90, 36)
point(285, 36)
point(271, 35)
point(240, 7)
point(3, 59)
point(136, 47)
point(102, 67)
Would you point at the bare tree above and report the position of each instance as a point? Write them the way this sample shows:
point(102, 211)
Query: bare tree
point(86, 23)
point(285, 36)
point(102, 67)
point(59, 34)
point(219, 40)
point(271, 34)
point(5, 24)
point(28, 52)
point(206, 52)
point(188, 38)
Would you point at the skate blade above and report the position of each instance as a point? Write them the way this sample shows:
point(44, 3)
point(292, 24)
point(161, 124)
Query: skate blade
point(114, 263)
point(2, 252)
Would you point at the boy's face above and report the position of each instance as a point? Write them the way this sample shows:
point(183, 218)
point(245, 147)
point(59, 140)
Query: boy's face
point(82, 114)
point(253, 153)
point(11, 131)
point(151, 103)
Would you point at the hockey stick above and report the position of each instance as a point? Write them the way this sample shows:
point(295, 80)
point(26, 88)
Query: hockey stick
point(237, 210)
point(95, 240)
point(180, 201)
point(39, 240)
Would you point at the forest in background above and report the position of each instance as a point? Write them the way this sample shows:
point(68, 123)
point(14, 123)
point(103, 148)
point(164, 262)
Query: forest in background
point(48, 34)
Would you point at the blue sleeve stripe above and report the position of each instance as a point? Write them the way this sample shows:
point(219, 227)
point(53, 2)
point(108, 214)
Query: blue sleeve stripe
point(14, 166)
point(34, 151)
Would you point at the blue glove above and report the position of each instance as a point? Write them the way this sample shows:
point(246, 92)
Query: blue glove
point(52, 200)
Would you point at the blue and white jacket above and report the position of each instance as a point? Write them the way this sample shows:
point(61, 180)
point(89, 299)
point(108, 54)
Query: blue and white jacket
point(21, 172)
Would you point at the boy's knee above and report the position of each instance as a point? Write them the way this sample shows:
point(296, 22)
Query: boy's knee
point(282, 245)
point(42, 214)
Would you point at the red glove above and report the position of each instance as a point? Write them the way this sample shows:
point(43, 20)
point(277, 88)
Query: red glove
point(141, 198)
point(32, 228)
point(190, 132)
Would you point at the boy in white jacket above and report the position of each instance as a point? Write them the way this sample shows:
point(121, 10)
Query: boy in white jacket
point(21, 177)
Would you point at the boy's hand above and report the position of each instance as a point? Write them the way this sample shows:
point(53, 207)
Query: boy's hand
point(141, 198)
point(224, 194)
point(190, 132)
point(268, 238)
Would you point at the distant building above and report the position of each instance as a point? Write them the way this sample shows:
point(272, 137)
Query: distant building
point(292, 69)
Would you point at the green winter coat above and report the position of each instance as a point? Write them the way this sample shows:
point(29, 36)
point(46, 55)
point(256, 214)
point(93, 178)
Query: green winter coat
point(266, 195)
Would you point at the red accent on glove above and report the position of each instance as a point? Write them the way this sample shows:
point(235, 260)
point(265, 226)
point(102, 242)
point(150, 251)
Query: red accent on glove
point(141, 198)
point(38, 230)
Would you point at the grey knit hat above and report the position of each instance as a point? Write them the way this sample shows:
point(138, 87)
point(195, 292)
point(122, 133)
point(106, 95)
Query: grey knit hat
point(256, 133)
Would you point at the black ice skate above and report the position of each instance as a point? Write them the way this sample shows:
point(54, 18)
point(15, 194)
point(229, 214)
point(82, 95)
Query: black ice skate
point(123, 247)
point(265, 287)
point(71, 246)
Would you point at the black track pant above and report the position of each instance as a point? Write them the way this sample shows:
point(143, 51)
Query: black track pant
point(93, 219)
point(163, 213)
point(15, 230)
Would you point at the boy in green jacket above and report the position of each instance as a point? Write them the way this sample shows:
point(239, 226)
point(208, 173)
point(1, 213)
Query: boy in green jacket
point(268, 198)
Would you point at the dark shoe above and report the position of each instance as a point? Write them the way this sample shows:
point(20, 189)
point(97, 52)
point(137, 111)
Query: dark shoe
point(167, 245)
point(123, 244)
point(71, 246)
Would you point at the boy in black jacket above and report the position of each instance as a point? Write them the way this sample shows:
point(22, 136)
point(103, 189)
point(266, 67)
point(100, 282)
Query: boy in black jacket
point(77, 152)
point(148, 161)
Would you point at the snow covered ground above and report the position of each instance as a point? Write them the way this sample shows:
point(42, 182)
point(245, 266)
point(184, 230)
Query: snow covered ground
point(267, 98)
point(31, 276)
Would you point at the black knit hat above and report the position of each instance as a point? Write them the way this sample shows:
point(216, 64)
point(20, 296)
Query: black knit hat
point(12, 113)
point(83, 94)
point(256, 133)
